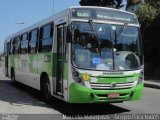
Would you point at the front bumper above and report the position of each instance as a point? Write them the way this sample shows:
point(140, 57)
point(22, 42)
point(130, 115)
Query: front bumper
point(82, 94)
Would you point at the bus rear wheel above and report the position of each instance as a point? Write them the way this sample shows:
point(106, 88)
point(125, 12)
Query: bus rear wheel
point(46, 90)
point(13, 79)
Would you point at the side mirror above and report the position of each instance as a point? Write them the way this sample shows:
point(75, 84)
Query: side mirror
point(69, 34)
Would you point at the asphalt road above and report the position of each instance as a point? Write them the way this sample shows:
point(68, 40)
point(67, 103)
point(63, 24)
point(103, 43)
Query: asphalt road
point(24, 100)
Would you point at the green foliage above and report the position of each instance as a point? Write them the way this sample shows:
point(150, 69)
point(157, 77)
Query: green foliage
point(103, 3)
point(149, 18)
point(154, 3)
point(146, 15)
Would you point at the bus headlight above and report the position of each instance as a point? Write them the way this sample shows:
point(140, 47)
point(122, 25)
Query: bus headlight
point(78, 80)
point(76, 76)
point(75, 73)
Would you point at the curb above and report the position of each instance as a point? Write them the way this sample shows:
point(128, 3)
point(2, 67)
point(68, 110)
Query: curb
point(152, 85)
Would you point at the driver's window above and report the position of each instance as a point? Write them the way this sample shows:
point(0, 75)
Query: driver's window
point(82, 57)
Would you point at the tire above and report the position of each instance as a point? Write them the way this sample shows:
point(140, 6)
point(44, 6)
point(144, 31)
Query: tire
point(46, 90)
point(13, 80)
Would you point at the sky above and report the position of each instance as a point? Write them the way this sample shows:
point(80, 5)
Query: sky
point(27, 12)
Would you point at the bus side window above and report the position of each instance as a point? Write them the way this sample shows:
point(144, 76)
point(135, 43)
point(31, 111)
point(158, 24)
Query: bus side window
point(46, 38)
point(24, 43)
point(13, 46)
point(33, 38)
point(7, 48)
point(17, 44)
point(10, 50)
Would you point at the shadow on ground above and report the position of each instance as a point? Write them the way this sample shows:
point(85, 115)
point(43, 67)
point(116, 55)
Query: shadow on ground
point(86, 109)
point(17, 95)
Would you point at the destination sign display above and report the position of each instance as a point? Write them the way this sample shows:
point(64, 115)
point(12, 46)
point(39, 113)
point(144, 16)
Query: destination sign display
point(83, 13)
point(106, 14)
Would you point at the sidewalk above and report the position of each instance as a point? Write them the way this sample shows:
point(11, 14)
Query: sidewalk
point(152, 83)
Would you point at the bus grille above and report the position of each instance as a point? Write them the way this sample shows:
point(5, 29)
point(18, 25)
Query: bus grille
point(108, 86)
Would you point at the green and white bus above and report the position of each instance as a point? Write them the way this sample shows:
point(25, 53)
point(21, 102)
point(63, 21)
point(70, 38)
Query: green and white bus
point(80, 55)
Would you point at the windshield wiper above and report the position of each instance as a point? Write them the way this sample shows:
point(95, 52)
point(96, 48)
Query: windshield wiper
point(115, 40)
point(119, 33)
point(96, 33)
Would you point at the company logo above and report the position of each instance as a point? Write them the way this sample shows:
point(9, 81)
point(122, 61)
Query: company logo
point(113, 85)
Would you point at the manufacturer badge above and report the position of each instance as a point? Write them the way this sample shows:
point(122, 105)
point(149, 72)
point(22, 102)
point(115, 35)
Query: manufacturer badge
point(113, 85)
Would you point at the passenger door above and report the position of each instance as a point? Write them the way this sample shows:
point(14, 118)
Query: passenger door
point(60, 59)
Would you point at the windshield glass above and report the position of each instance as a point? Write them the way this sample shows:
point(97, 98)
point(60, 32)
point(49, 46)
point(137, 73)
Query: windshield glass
point(106, 47)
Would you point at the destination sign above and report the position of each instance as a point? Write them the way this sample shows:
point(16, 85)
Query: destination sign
point(105, 14)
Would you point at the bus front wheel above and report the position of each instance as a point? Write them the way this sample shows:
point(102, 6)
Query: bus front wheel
point(46, 89)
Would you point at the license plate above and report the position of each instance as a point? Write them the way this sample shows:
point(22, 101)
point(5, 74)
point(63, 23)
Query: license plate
point(113, 95)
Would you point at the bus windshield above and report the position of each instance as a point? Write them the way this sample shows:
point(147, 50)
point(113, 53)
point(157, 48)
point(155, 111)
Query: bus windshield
point(107, 47)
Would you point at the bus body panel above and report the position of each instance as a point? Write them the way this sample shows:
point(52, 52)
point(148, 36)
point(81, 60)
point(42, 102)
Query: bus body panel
point(28, 68)
point(81, 94)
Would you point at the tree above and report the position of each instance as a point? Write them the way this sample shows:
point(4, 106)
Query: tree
point(154, 3)
point(104, 3)
point(146, 15)
point(149, 17)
